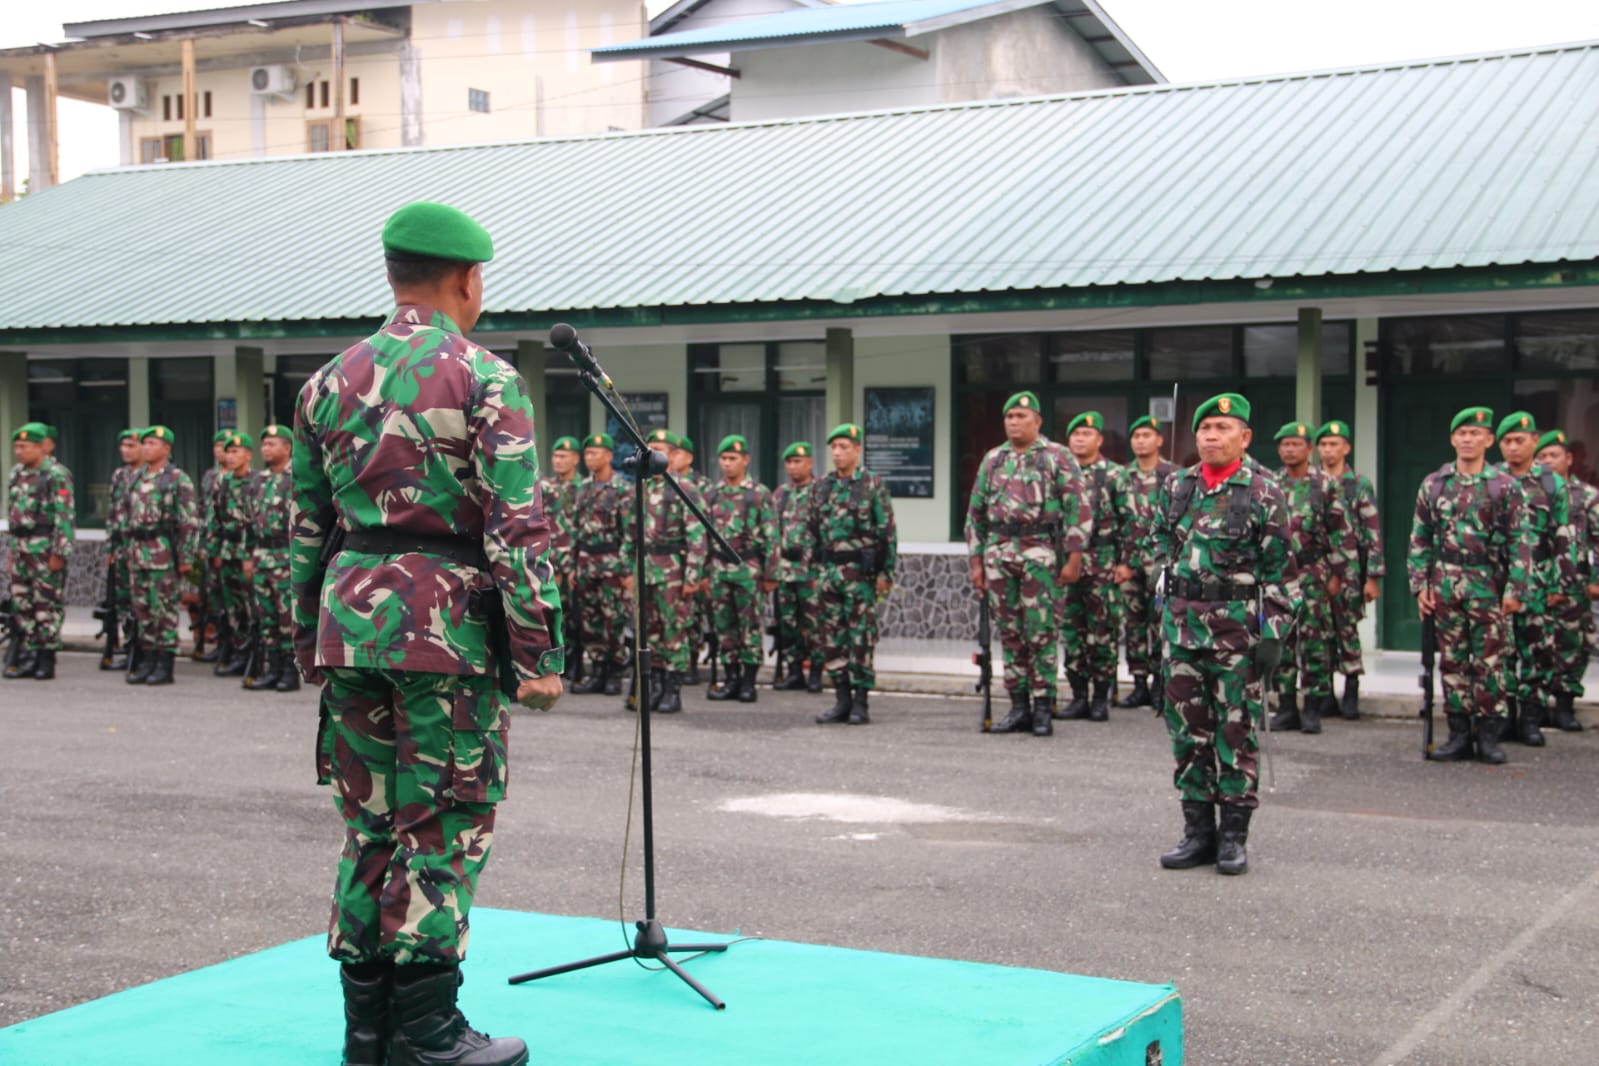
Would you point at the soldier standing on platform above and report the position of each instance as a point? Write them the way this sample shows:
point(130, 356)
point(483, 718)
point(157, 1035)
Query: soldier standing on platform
point(1321, 545)
point(209, 578)
point(1333, 443)
point(560, 488)
point(163, 535)
point(116, 556)
point(674, 570)
point(228, 533)
point(1221, 533)
point(1470, 565)
point(1535, 666)
point(603, 539)
point(1573, 617)
point(741, 509)
point(41, 526)
point(1027, 526)
point(798, 617)
point(1133, 496)
point(857, 551)
point(1091, 608)
point(269, 566)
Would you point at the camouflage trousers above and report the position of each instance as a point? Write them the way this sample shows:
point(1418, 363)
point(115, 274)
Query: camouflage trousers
point(1574, 630)
point(670, 626)
point(1348, 608)
point(155, 607)
point(607, 609)
point(417, 762)
point(1090, 618)
point(235, 610)
point(1140, 623)
point(39, 598)
point(274, 607)
point(209, 584)
point(799, 622)
point(1473, 645)
point(849, 623)
point(1213, 701)
point(121, 580)
point(1307, 647)
point(1023, 591)
point(1533, 665)
point(736, 616)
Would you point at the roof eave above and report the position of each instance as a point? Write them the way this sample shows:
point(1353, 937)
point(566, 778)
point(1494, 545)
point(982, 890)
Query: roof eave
point(621, 52)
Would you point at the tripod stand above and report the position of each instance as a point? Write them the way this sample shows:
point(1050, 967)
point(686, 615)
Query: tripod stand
point(650, 942)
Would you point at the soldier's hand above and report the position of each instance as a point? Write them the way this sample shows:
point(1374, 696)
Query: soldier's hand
point(1557, 599)
point(540, 693)
point(979, 578)
point(216, 564)
point(883, 585)
point(185, 569)
point(1593, 592)
point(1426, 602)
point(249, 568)
point(627, 584)
point(1122, 574)
point(1511, 605)
point(55, 563)
point(1335, 585)
point(1073, 570)
point(1370, 592)
point(768, 586)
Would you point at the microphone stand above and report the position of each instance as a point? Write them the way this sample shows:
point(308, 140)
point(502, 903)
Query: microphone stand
point(650, 942)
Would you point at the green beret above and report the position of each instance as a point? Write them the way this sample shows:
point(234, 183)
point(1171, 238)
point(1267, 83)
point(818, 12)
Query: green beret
point(685, 443)
point(1477, 416)
point(158, 432)
point(220, 436)
point(1025, 400)
point(128, 434)
point(800, 449)
point(565, 444)
point(240, 439)
point(733, 443)
point(662, 436)
point(1227, 403)
point(29, 433)
point(600, 440)
point(49, 430)
point(847, 430)
point(1518, 422)
point(1147, 422)
point(1335, 428)
point(1554, 436)
point(436, 231)
point(281, 432)
point(1294, 429)
point(1091, 419)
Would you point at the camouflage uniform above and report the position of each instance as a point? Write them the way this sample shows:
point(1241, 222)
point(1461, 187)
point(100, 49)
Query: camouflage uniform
point(1360, 503)
point(1090, 613)
point(1573, 620)
point(208, 579)
point(852, 518)
point(272, 513)
point(743, 515)
point(603, 540)
point(674, 543)
point(229, 529)
point(1028, 510)
point(799, 615)
point(1133, 497)
point(41, 518)
point(117, 547)
point(560, 505)
point(1322, 543)
point(1533, 666)
point(419, 444)
point(163, 533)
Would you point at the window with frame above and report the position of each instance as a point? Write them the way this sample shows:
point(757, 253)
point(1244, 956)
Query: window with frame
point(319, 135)
point(477, 100)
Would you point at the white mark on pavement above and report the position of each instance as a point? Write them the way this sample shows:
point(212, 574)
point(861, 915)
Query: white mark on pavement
point(849, 807)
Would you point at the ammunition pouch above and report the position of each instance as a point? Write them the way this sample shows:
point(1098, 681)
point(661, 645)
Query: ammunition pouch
point(37, 529)
point(1208, 589)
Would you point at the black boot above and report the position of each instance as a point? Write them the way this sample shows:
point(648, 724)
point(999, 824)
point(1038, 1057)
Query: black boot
point(162, 674)
point(613, 678)
point(657, 689)
point(730, 684)
point(671, 696)
point(1078, 707)
point(1458, 746)
point(289, 679)
point(1528, 731)
point(268, 680)
point(858, 708)
point(1287, 716)
point(141, 666)
point(1020, 717)
point(1490, 731)
point(1234, 834)
point(368, 991)
point(44, 665)
point(23, 667)
point(1566, 714)
point(1310, 717)
point(1349, 709)
point(793, 680)
point(117, 660)
point(220, 653)
point(1099, 709)
point(746, 683)
point(839, 712)
point(1139, 696)
point(1198, 845)
point(1044, 716)
point(595, 682)
point(236, 666)
point(430, 1031)
point(813, 683)
point(693, 675)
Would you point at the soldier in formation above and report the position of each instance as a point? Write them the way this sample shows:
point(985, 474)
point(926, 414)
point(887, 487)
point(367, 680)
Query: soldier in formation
point(228, 529)
point(1573, 615)
point(560, 487)
point(1027, 525)
point(602, 532)
point(1470, 569)
point(209, 614)
point(797, 614)
point(1091, 607)
point(1136, 574)
point(674, 570)
point(1222, 537)
point(119, 596)
point(681, 466)
point(268, 565)
point(741, 509)
point(41, 527)
point(1366, 570)
point(163, 536)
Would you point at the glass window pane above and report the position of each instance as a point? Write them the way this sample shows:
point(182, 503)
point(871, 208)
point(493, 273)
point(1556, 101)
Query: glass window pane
point(1114, 408)
point(1273, 351)
point(801, 418)
point(1568, 404)
point(981, 427)
point(718, 418)
point(1561, 342)
point(1459, 344)
point(1106, 356)
point(802, 366)
point(1191, 352)
point(730, 368)
point(177, 379)
point(1002, 359)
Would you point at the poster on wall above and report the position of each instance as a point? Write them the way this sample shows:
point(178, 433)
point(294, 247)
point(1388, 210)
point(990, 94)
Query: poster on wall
point(899, 439)
point(650, 410)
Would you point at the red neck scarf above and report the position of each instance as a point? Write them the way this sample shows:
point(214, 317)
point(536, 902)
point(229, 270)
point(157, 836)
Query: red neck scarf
point(1215, 475)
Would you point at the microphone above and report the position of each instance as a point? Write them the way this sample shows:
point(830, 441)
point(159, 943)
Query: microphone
point(564, 338)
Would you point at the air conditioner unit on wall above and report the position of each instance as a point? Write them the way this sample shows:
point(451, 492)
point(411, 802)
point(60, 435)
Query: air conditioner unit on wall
point(128, 94)
point(275, 80)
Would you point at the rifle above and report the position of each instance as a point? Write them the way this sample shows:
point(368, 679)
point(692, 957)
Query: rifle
point(106, 614)
point(713, 644)
point(256, 661)
point(203, 610)
point(776, 630)
point(1429, 653)
point(1268, 705)
point(13, 637)
point(573, 623)
point(983, 658)
point(332, 544)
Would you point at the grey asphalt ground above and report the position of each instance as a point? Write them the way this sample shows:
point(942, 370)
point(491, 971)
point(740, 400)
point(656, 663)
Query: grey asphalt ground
point(1394, 911)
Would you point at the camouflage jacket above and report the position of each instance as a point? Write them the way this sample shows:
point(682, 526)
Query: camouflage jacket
point(1031, 504)
point(1470, 539)
point(229, 521)
point(416, 430)
point(116, 519)
point(1554, 547)
point(163, 519)
point(670, 525)
point(854, 514)
point(1226, 554)
point(744, 515)
point(1100, 479)
point(1360, 501)
point(603, 520)
point(41, 514)
point(272, 519)
point(205, 500)
point(795, 561)
point(560, 506)
point(1584, 508)
point(1133, 498)
point(1321, 537)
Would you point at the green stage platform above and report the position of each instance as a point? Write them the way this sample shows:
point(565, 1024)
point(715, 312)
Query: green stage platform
point(786, 1003)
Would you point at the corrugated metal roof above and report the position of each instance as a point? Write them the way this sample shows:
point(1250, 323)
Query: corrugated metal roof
point(1454, 163)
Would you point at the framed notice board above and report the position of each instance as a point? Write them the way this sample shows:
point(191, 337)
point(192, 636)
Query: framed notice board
point(899, 439)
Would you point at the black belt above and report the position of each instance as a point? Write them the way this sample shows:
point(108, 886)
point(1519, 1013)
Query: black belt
point(1101, 540)
point(744, 554)
point(844, 558)
point(275, 542)
point(1212, 590)
point(402, 542)
point(668, 547)
point(1457, 558)
point(33, 531)
point(151, 532)
point(231, 536)
point(794, 555)
point(600, 547)
point(1027, 529)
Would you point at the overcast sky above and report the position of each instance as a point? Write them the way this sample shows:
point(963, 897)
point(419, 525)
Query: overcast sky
point(1189, 40)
